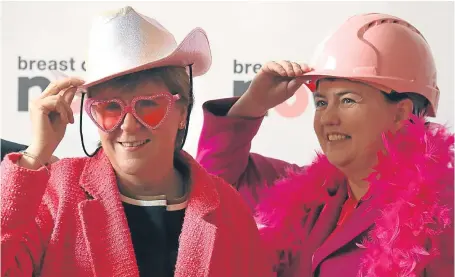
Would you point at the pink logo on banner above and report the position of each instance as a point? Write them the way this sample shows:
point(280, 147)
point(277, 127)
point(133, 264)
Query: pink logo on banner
point(298, 107)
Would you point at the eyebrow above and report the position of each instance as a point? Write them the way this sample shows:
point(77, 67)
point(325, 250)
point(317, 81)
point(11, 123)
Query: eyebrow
point(339, 94)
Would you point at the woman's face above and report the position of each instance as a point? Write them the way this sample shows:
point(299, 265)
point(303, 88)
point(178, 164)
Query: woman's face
point(131, 147)
point(350, 119)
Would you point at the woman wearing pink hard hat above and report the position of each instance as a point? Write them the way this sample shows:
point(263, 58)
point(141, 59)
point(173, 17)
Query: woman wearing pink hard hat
point(379, 200)
point(140, 206)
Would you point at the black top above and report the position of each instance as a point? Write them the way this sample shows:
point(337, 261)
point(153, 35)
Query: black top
point(155, 228)
point(155, 232)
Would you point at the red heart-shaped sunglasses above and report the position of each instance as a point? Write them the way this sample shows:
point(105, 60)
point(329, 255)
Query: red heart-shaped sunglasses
point(150, 111)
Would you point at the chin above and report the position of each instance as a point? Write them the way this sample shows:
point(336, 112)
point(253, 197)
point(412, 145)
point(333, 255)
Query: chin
point(338, 160)
point(131, 166)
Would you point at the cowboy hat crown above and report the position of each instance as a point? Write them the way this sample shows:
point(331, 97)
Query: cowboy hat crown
point(124, 41)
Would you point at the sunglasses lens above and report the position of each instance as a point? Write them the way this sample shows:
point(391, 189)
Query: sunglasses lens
point(152, 111)
point(106, 114)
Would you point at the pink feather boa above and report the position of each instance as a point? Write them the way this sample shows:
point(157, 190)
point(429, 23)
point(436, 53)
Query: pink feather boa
point(415, 180)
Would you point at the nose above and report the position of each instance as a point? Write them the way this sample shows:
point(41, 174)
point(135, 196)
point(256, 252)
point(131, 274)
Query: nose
point(130, 123)
point(330, 116)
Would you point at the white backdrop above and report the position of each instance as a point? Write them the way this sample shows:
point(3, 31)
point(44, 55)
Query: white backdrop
point(241, 32)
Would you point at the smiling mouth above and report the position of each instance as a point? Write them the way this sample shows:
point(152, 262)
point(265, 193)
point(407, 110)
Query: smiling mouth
point(337, 137)
point(134, 143)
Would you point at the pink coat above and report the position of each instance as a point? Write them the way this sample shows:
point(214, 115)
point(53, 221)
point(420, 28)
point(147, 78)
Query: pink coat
point(73, 224)
point(414, 193)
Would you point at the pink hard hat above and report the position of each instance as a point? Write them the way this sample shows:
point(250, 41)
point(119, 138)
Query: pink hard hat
point(383, 51)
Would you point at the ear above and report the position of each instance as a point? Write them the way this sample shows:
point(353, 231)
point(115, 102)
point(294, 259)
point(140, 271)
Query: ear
point(183, 115)
point(403, 112)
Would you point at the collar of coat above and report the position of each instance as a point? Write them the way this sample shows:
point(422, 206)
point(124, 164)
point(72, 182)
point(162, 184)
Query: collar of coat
point(412, 184)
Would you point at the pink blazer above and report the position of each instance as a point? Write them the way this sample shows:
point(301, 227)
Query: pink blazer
point(73, 224)
point(224, 150)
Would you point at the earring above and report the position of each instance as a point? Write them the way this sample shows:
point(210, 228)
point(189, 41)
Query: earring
point(182, 125)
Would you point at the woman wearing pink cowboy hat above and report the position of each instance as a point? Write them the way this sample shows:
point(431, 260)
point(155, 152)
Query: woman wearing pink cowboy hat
point(140, 206)
point(379, 200)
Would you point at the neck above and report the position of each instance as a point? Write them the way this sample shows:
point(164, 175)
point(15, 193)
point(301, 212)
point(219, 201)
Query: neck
point(168, 182)
point(359, 186)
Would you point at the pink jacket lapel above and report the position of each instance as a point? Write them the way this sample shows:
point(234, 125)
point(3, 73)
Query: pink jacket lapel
point(104, 223)
point(199, 232)
point(361, 220)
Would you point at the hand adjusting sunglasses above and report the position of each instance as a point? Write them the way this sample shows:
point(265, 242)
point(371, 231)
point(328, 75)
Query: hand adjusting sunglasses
point(150, 111)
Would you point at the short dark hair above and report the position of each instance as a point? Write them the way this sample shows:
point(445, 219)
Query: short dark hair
point(420, 103)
